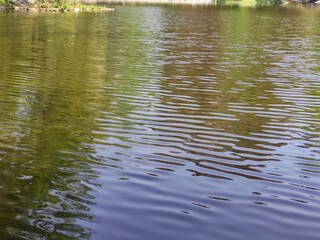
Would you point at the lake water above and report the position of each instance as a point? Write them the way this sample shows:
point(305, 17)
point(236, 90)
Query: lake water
point(160, 122)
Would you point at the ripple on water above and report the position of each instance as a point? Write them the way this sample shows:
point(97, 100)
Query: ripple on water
point(168, 123)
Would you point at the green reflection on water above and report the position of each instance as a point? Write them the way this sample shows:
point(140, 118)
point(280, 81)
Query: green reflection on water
point(47, 115)
point(54, 71)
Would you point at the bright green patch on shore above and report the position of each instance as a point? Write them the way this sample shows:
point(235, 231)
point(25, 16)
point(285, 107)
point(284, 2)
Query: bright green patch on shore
point(52, 6)
point(55, 4)
point(4, 3)
point(69, 6)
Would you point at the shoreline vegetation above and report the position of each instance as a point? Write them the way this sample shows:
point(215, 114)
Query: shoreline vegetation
point(204, 2)
point(71, 8)
point(51, 6)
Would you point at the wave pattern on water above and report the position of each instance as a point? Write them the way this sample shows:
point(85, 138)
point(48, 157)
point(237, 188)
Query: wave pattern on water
point(168, 123)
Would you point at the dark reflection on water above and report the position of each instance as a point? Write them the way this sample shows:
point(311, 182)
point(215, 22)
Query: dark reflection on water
point(160, 123)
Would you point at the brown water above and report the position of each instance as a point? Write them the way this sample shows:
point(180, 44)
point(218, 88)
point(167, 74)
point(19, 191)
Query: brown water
point(160, 122)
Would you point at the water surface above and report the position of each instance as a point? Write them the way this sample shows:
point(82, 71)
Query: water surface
point(160, 122)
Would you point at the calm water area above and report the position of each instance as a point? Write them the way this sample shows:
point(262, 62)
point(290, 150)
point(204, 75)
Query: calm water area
point(161, 122)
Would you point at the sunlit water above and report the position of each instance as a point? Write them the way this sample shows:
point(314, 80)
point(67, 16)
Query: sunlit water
point(160, 122)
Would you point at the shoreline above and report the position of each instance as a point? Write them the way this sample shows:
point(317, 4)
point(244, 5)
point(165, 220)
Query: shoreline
point(72, 8)
point(99, 5)
point(179, 2)
point(193, 2)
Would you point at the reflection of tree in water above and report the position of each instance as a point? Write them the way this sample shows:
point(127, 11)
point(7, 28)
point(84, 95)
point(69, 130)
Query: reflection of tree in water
point(128, 69)
point(68, 81)
point(213, 68)
point(47, 119)
point(227, 67)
